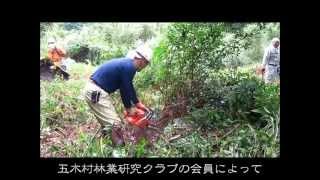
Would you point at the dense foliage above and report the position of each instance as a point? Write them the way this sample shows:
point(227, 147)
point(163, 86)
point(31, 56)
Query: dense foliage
point(231, 111)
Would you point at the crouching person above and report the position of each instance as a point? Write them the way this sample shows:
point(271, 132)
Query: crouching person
point(113, 75)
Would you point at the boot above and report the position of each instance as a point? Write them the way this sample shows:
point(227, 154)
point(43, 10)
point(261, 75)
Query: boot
point(117, 135)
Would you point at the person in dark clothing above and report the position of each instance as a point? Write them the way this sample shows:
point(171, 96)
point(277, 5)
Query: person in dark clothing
point(116, 74)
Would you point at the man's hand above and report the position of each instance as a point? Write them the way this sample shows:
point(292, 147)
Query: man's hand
point(260, 70)
point(134, 111)
point(142, 106)
point(131, 111)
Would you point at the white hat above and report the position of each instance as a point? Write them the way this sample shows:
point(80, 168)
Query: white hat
point(275, 40)
point(51, 40)
point(144, 51)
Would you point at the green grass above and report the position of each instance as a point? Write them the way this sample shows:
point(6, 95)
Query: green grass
point(61, 103)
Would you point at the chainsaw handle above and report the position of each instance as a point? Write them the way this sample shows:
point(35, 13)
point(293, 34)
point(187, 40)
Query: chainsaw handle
point(139, 120)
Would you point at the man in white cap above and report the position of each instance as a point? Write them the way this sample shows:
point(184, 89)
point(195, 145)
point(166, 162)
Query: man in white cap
point(271, 62)
point(58, 56)
point(113, 75)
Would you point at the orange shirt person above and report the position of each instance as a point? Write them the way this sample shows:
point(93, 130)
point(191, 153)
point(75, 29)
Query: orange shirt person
point(55, 54)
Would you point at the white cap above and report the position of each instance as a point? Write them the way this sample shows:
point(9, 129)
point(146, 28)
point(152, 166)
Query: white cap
point(144, 51)
point(51, 40)
point(275, 40)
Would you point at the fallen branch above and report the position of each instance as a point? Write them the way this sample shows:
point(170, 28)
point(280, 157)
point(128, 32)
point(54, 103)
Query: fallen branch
point(175, 137)
point(61, 131)
point(51, 119)
point(229, 132)
point(178, 136)
point(155, 129)
point(165, 139)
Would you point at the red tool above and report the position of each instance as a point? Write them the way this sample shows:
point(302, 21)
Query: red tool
point(141, 118)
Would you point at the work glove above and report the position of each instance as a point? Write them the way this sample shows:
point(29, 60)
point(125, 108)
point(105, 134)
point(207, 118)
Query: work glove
point(136, 117)
point(134, 112)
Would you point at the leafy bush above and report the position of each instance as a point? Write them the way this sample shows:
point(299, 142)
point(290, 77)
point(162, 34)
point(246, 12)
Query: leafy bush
point(189, 51)
point(236, 95)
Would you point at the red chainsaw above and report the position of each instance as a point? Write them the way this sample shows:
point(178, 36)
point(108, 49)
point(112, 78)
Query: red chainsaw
point(142, 117)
